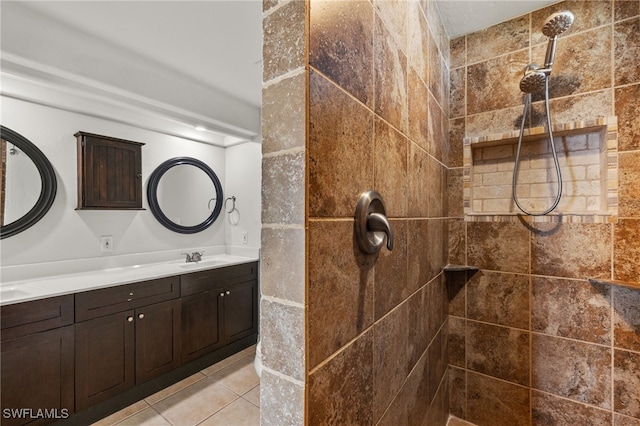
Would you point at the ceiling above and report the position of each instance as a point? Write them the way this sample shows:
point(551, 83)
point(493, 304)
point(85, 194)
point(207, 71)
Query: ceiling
point(218, 43)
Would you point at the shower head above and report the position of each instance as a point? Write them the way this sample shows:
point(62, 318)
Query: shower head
point(533, 80)
point(557, 23)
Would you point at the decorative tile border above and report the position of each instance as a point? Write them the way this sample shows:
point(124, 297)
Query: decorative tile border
point(609, 126)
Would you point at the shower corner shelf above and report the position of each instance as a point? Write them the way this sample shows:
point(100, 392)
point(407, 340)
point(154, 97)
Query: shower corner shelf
point(460, 268)
point(628, 284)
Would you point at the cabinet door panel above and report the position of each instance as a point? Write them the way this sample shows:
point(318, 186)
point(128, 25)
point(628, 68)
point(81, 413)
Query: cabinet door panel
point(104, 358)
point(37, 373)
point(157, 339)
point(241, 311)
point(200, 325)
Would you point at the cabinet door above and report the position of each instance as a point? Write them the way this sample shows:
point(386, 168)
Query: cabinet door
point(200, 324)
point(104, 358)
point(240, 310)
point(157, 339)
point(37, 373)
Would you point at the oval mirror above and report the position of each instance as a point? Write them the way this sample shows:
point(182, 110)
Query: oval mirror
point(28, 183)
point(185, 195)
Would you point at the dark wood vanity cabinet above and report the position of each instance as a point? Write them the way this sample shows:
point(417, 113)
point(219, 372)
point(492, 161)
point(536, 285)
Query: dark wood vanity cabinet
point(109, 172)
point(219, 306)
point(37, 360)
point(116, 348)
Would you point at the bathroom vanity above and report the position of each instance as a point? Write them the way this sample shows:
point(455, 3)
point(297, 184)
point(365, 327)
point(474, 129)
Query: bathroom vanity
point(89, 353)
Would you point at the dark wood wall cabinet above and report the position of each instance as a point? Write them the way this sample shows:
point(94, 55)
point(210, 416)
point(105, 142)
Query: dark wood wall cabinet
point(92, 353)
point(109, 172)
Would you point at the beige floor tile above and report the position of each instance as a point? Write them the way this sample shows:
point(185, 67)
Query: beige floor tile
point(238, 413)
point(122, 414)
point(225, 363)
point(253, 396)
point(196, 402)
point(240, 377)
point(158, 396)
point(147, 417)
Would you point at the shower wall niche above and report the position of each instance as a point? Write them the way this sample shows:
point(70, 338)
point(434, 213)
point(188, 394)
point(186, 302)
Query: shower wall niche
point(588, 157)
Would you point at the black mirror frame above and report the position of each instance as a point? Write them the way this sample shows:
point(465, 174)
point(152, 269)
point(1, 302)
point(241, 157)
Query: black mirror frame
point(47, 177)
point(152, 190)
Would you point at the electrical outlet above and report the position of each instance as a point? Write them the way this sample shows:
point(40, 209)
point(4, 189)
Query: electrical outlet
point(106, 243)
point(245, 237)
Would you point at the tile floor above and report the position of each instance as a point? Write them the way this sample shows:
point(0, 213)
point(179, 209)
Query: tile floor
point(226, 393)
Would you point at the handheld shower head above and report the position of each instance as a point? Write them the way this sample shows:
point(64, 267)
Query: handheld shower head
point(555, 25)
point(533, 80)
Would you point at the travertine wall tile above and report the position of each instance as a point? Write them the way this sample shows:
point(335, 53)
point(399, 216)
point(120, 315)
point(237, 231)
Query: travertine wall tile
point(457, 244)
point(627, 110)
point(572, 369)
point(627, 51)
point(620, 420)
point(624, 9)
point(500, 352)
point(284, 115)
point(284, 46)
point(418, 111)
point(341, 45)
point(551, 410)
point(283, 188)
point(457, 341)
point(340, 137)
point(626, 382)
point(574, 309)
point(572, 250)
point(353, 385)
point(417, 253)
point(628, 188)
point(499, 298)
point(390, 362)
point(283, 345)
point(496, 402)
point(457, 392)
point(417, 42)
point(281, 400)
point(283, 267)
point(390, 168)
point(437, 364)
point(418, 171)
point(391, 286)
point(390, 78)
point(497, 40)
point(626, 250)
point(498, 246)
point(340, 282)
point(458, 52)
point(626, 318)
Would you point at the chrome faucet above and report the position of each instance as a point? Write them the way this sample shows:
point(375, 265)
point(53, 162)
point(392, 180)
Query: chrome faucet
point(196, 256)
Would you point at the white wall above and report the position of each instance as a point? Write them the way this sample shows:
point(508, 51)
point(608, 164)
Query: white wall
point(244, 181)
point(65, 233)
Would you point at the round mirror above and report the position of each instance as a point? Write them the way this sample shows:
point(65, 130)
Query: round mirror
point(185, 195)
point(28, 183)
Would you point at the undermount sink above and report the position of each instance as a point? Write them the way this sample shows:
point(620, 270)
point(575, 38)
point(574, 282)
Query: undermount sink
point(209, 261)
point(18, 291)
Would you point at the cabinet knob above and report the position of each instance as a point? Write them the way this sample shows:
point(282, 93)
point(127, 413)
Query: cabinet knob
point(130, 319)
point(140, 316)
point(228, 292)
point(221, 294)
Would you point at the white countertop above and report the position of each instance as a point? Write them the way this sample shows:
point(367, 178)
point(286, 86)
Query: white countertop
point(40, 287)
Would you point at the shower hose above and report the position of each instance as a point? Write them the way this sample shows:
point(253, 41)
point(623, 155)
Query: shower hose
point(527, 102)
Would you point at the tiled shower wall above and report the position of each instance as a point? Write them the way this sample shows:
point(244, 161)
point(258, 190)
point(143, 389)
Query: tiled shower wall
point(531, 341)
point(355, 98)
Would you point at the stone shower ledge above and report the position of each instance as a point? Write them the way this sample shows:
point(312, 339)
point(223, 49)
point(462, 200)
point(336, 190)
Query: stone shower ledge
point(540, 133)
point(460, 268)
point(627, 284)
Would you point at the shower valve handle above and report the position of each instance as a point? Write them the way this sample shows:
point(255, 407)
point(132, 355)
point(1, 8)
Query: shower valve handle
point(371, 223)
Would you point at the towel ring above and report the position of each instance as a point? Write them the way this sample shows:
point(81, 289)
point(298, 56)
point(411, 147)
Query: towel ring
point(233, 200)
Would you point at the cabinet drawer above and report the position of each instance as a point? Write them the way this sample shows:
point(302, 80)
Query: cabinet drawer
point(97, 303)
point(213, 279)
point(25, 318)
